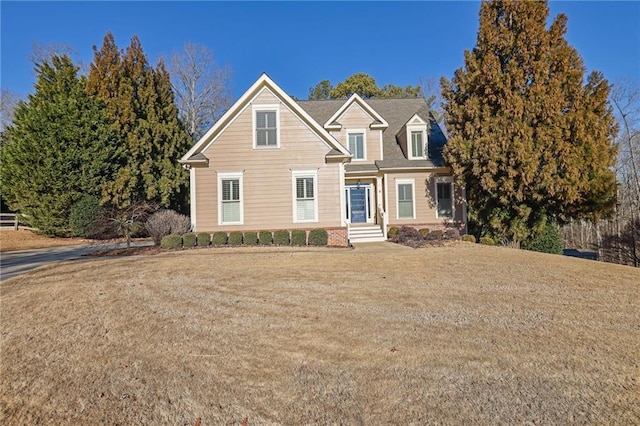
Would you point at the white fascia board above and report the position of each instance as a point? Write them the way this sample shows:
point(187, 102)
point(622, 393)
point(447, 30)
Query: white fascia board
point(367, 108)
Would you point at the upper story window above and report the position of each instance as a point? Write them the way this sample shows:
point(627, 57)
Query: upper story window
point(417, 141)
point(417, 144)
point(357, 144)
point(266, 120)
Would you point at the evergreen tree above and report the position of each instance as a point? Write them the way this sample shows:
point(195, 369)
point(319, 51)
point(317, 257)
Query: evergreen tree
point(365, 86)
point(529, 140)
point(141, 104)
point(59, 148)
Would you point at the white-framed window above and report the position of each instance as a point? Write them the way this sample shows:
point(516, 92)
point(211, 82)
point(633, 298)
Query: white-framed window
point(266, 129)
point(417, 141)
point(405, 194)
point(445, 206)
point(230, 199)
point(357, 144)
point(305, 196)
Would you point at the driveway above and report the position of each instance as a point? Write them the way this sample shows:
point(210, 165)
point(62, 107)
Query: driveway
point(15, 263)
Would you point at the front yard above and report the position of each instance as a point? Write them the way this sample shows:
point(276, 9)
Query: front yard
point(462, 334)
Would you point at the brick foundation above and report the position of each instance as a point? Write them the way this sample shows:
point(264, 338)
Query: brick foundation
point(337, 237)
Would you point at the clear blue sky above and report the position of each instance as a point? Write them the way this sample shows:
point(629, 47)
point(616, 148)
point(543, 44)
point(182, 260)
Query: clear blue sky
point(299, 44)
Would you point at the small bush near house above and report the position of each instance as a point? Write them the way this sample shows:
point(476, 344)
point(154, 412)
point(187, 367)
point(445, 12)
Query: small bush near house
point(409, 235)
point(166, 222)
point(469, 238)
point(451, 234)
point(235, 238)
point(298, 237)
point(547, 240)
point(424, 232)
point(84, 217)
point(265, 238)
point(281, 237)
point(487, 241)
point(318, 237)
point(251, 238)
point(189, 240)
point(220, 238)
point(204, 239)
point(435, 235)
point(173, 241)
point(393, 232)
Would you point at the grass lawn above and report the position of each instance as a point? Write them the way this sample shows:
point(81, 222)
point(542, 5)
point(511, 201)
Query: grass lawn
point(464, 334)
point(23, 239)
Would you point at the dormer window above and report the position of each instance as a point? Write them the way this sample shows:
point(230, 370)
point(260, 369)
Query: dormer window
point(417, 141)
point(266, 129)
point(417, 144)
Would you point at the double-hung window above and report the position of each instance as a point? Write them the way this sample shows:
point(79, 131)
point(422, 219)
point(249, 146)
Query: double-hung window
point(230, 196)
point(357, 145)
point(305, 207)
point(266, 133)
point(444, 198)
point(417, 144)
point(405, 196)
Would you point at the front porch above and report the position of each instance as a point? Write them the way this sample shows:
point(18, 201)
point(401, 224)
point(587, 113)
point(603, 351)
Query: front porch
point(364, 211)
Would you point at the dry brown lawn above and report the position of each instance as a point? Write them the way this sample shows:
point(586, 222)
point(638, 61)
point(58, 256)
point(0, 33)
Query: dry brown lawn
point(24, 239)
point(464, 334)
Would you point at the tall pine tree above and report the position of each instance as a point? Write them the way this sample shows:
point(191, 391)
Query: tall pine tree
point(59, 148)
point(529, 139)
point(141, 104)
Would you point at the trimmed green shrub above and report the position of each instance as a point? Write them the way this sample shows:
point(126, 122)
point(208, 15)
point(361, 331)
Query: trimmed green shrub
point(265, 238)
point(318, 237)
point(487, 241)
point(281, 237)
point(173, 241)
point(424, 232)
point(251, 238)
point(204, 239)
point(469, 238)
point(235, 238)
point(220, 238)
point(84, 216)
point(451, 234)
point(298, 237)
point(546, 240)
point(189, 240)
point(393, 232)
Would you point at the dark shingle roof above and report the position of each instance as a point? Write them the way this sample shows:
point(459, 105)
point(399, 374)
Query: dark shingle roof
point(396, 112)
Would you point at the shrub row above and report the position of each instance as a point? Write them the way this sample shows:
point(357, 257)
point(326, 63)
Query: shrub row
point(296, 237)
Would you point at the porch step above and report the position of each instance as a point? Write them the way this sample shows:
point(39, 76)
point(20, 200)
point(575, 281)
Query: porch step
point(366, 234)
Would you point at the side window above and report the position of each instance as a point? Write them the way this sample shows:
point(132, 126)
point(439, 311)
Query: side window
point(230, 199)
point(444, 199)
point(305, 208)
point(405, 200)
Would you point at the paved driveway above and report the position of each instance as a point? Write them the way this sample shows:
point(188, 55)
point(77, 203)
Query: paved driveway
point(18, 262)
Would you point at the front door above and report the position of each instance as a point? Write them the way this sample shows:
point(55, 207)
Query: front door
point(358, 203)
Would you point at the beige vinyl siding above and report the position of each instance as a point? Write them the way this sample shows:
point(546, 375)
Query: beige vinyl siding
point(425, 204)
point(267, 174)
point(356, 118)
point(402, 140)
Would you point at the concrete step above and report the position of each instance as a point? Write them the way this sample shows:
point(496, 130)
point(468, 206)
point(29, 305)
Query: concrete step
point(366, 234)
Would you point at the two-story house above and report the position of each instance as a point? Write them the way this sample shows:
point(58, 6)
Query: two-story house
point(355, 167)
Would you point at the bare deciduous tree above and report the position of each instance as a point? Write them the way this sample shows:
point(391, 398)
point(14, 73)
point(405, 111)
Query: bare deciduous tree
point(8, 103)
point(431, 91)
point(201, 87)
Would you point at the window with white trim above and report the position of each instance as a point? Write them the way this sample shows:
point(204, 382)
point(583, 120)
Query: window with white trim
point(417, 141)
point(357, 145)
point(305, 200)
point(417, 144)
point(266, 131)
point(405, 195)
point(444, 198)
point(230, 199)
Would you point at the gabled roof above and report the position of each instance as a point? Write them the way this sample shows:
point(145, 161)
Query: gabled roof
point(396, 112)
point(194, 155)
point(378, 121)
